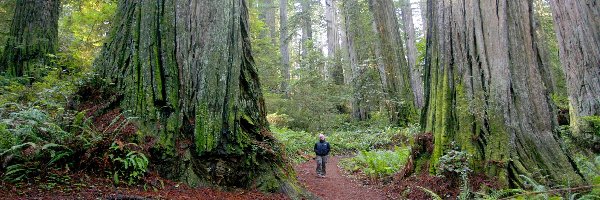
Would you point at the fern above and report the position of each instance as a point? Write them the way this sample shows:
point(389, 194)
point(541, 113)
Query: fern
point(465, 191)
point(589, 197)
point(499, 194)
point(128, 165)
point(431, 193)
point(539, 188)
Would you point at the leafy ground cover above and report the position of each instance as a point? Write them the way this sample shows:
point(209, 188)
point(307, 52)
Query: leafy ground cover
point(299, 144)
point(377, 163)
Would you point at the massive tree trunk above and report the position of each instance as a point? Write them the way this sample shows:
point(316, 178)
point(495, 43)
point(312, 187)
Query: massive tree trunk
point(334, 66)
point(577, 24)
point(484, 91)
point(416, 81)
point(397, 88)
point(284, 47)
point(186, 70)
point(351, 12)
point(33, 36)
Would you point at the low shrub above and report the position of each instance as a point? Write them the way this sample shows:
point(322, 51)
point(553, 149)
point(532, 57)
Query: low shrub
point(377, 163)
point(44, 133)
point(128, 165)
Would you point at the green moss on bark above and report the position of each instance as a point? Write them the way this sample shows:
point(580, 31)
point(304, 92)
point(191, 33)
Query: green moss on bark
point(189, 77)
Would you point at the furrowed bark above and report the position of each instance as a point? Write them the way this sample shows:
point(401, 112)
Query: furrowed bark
point(350, 13)
point(396, 73)
point(186, 71)
point(577, 25)
point(484, 90)
point(33, 37)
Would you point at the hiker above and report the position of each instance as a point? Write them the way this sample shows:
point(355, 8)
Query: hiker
point(322, 150)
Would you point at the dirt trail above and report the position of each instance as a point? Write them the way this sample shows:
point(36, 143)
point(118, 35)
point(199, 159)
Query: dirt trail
point(334, 186)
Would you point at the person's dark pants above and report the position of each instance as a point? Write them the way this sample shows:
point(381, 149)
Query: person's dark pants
point(321, 165)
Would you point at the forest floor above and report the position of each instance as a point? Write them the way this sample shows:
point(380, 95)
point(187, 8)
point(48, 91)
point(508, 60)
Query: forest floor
point(335, 185)
point(81, 186)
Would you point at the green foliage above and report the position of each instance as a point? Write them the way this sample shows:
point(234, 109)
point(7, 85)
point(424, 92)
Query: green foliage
point(279, 120)
point(498, 194)
point(6, 14)
point(594, 123)
point(531, 183)
point(299, 144)
point(378, 163)
point(39, 136)
point(128, 165)
point(561, 101)
point(28, 160)
point(454, 162)
point(431, 193)
point(313, 105)
point(82, 31)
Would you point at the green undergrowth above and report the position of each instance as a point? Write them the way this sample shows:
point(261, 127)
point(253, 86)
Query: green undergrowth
point(377, 163)
point(299, 144)
point(43, 135)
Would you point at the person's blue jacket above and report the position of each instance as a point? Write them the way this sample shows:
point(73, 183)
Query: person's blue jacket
point(322, 148)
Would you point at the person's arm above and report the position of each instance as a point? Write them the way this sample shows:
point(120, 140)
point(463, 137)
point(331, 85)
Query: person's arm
point(328, 148)
point(315, 148)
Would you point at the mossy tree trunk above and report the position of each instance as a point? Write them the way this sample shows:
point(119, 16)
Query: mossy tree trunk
point(484, 92)
point(577, 25)
point(33, 36)
point(396, 72)
point(186, 70)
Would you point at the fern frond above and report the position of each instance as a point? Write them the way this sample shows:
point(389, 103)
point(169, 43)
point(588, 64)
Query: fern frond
point(431, 193)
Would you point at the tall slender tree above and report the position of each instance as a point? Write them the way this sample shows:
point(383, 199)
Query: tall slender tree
point(307, 31)
point(33, 36)
point(485, 92)
point(577, 24)
point(284, 46)
point(269, 12)
point(334, 67)
point(186, 70)
point(416, 81)
point(350, 14)
point(397, 87)
point(266, 10)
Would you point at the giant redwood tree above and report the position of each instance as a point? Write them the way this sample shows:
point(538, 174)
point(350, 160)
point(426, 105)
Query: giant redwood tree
point(33, 36)
point(485, 93)
point(395, 73)
point(186, 71)
point(577, 25)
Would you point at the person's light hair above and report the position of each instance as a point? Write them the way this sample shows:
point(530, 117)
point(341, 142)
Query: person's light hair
point(321, 137)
